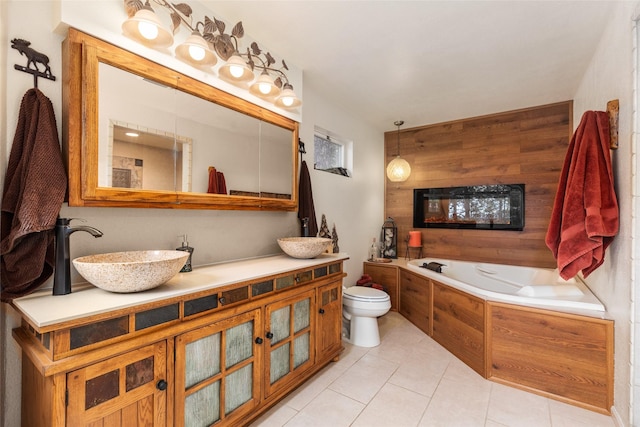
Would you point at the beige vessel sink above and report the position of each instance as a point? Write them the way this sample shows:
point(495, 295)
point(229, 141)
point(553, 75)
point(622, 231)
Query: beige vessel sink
point(304, 247)
point(132, 271)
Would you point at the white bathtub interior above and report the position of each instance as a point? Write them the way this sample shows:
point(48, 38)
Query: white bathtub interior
point(509, 283)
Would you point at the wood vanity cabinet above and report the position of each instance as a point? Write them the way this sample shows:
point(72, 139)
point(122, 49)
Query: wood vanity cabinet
point(220, 356)
point(415, 300)
point(387, 276)
point(329, 303)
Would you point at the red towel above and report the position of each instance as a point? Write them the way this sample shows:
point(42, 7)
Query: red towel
point(585, 217)
point(213, 181)
point(217, 183)
point(222, 184)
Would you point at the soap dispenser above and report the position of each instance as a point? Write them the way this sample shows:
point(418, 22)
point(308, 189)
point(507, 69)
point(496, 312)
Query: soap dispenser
point(185, 247)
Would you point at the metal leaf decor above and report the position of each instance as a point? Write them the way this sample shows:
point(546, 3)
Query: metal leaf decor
point(132, 6)
point(184, 9)
point(209, 26)
point(224, 46)
point(278, 82)
point(238, 30)
point(284, 65)
point(270, 59)
point(220, 25)
point(255, 48)
point(175, 22)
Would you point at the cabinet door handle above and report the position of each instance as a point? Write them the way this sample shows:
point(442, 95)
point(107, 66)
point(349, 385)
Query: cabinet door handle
point(321, 311)
point(222, 300)
point(161, 385)
point(269, 335)
point(258, 340)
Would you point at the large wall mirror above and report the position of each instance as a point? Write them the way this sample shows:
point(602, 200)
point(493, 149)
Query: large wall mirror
point(138, 134)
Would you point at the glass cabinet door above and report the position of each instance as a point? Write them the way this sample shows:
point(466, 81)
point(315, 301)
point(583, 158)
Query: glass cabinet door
point(290, 341)
point(217, 371)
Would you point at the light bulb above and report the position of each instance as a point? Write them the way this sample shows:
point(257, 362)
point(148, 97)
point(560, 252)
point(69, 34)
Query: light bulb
point(287, 101)
point(265, 88)
point(196, 52)
point(148, 30)
point(236, 71)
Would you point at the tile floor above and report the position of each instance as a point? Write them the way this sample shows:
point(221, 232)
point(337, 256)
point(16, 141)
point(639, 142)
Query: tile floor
point(410, 380)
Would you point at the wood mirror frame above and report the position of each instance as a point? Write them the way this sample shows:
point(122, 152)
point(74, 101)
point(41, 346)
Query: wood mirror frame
point(81, 55)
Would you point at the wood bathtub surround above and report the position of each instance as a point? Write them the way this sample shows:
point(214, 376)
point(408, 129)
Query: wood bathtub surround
point(563, 356)
point(523, 146)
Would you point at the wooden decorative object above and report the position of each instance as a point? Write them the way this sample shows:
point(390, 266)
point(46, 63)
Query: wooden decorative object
point(613, 110)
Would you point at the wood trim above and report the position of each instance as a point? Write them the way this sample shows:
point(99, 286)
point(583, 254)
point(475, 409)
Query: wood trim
point(613, 110)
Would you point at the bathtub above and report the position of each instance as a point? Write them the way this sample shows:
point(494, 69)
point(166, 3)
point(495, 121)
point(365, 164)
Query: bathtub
point(511, 284)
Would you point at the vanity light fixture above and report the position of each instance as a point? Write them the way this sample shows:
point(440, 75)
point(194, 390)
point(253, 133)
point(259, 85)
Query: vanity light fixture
point(398, 169)
point(145, 27)
point(198, 49)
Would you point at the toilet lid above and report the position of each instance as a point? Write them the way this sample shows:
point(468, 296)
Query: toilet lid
point(365, 293)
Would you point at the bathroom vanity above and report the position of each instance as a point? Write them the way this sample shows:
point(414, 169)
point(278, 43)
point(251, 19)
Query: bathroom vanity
point(220, 344)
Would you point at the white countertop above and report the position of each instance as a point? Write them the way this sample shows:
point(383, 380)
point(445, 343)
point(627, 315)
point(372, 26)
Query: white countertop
point(44, 309)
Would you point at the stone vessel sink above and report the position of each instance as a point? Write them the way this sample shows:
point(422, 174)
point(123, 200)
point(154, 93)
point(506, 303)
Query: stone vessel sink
point(132, 271)
point(304, 247)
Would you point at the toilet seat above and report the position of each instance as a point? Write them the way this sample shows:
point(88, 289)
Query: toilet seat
point(364, 293)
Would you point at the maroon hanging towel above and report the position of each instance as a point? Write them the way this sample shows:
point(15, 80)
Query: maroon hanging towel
point(305, 200)
point(34, 189)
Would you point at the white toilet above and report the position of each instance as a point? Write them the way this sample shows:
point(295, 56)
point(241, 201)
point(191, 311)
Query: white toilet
point(361, 307)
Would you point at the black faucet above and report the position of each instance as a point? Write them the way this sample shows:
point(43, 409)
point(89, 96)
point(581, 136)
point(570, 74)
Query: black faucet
point(62, 275)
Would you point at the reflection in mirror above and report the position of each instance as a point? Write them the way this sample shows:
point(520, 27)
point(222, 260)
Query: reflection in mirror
point(146, 159)
point(231, 153)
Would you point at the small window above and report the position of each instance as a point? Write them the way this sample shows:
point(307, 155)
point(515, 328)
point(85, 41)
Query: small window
point(331, 153)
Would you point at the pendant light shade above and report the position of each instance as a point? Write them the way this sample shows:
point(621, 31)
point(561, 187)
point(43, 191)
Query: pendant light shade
point(398, 169)
point(288, 98)
point(236, 70)
point(195, 51)
point(264, 86)
point(146, 28)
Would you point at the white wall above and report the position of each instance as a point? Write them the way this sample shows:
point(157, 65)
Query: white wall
point(608, 77)
point(355, 204)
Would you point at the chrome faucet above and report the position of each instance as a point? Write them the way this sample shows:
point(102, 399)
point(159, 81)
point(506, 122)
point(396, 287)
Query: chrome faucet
point(62, 275)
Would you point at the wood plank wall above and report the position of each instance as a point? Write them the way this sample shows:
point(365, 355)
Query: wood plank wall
point(524, 146)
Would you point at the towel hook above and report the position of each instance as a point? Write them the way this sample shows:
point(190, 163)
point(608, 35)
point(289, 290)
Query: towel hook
point(33, 59)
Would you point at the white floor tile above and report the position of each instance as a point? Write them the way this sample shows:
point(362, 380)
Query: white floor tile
point(518, 408)
point(363, 380)
point(329, 409)
point(393, 406)
point(410, 380)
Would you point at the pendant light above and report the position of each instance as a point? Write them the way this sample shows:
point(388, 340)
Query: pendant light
point(398, 169)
